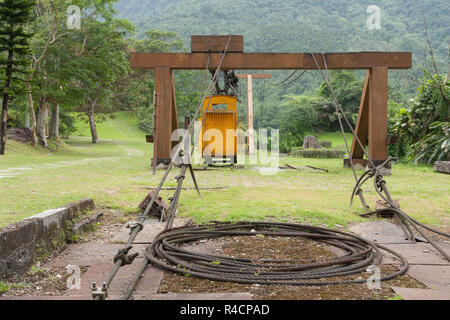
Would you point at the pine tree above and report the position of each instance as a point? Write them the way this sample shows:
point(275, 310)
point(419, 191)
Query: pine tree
point(14, 52)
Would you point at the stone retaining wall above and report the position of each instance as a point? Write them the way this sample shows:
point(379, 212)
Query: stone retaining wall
point(37, 237)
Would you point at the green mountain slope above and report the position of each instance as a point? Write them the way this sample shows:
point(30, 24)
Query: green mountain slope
point(306, 26)
point(293, 25)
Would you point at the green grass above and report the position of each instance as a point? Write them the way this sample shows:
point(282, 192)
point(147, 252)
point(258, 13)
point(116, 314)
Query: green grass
point(4, 287)
point(117, 170)
point(336, 139)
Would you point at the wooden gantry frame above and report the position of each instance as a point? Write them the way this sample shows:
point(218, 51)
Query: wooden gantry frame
point(371, 127)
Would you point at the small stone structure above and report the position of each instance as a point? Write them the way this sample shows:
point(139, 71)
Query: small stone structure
point(442, 166)
point(311, 142)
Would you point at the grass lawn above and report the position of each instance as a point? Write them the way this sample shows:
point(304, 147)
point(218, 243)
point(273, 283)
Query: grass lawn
point(116, 171)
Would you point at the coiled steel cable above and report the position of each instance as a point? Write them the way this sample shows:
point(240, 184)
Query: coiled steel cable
point(167, 252)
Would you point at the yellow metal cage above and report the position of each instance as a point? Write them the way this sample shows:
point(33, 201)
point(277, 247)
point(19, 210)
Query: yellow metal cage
point(217, 137)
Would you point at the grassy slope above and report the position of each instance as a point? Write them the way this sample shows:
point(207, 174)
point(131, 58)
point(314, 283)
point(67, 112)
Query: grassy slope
point(109, 171)
point(120, 169)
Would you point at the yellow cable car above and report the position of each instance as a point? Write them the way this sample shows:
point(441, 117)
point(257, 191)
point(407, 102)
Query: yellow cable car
point(217, 138)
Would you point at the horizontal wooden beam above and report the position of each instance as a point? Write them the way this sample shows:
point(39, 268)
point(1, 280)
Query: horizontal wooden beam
point(254, 75)
point(271, 61)
point(232, 61)
point(359, 60)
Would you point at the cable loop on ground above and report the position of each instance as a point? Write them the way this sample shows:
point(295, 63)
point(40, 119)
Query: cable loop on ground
point(168, 253)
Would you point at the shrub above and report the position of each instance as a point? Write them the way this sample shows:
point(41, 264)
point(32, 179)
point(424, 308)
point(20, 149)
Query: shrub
point(326, 144)
point(319, 153)
point(434, 146)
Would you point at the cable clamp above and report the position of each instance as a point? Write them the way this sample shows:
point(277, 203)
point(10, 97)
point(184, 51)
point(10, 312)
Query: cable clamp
point(135, 225)
point(180, 177)
point(100, 293)
point(124, 257)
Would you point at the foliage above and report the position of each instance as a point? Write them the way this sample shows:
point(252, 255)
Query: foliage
point(326, 144)
point(140, 84)
point(14, 53)
point(435, 145)
point(302, 26)
point(319, 153)
point(296, 118)
point(347, 89)
point(417, 125)
point(14, 40)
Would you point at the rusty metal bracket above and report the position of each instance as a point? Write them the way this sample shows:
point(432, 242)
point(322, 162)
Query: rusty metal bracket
point(99, 293)
point(135, 225)
point(124, 257)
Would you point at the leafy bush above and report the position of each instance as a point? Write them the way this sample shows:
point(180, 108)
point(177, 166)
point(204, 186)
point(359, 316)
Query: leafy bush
point(326, 144)
point(319, 153)
point(421, 127)
point(434, 146)
point(145, 116)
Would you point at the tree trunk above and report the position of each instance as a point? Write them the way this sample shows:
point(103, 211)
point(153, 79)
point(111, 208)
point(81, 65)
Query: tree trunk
point(92, 120)
point(54, 123)
point(27, 121)
point(34, 138)
point(4, 123)
point(41, 122)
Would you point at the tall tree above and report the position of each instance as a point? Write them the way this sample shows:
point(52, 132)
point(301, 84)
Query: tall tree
point(14, 40)
point(103, 62)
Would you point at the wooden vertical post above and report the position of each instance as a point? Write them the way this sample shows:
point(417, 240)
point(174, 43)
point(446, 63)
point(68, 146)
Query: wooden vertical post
point(163, 114)
point(174, 111)
point(251, 141)
point(378, 114)
point(362, 127)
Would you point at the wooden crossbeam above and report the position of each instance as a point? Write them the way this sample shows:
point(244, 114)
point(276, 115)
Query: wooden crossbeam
point(271, 61)
point(207, 52)
point(254, 75)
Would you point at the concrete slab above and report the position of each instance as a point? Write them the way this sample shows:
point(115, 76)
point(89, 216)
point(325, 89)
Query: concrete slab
point(417, 254)
point(52, 216)
point(434, 277)
point(149, 282)
point(197, 296)
point(382, 232)
point(39, 298)
point(422, 294)
point(99, 272)
point(151, 228)
point(86, 254)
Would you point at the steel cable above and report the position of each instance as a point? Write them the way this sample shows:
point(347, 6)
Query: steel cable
point(168, 253)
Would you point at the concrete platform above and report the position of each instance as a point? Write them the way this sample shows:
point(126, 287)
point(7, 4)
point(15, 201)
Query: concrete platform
point(40, 298)
point(418, 254)
point(382, 232)
point(422, 294)
point(151, 228)
point(434, 277)
point(197, 296)
point(86, 254)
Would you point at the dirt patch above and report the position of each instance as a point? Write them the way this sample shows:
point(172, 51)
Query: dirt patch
point(41, 281)
point(256, 248)
point(109, 224)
